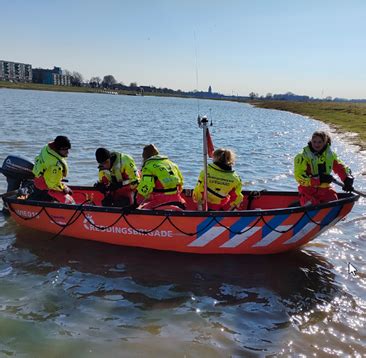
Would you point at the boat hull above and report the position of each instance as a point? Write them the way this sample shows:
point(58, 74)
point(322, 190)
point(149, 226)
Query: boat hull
point(256, 231)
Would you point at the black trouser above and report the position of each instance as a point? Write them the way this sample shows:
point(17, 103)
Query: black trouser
point(40, 195)
point(122, 202)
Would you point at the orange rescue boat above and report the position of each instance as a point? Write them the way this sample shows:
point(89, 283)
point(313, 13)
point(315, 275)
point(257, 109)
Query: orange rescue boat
point(272, 222)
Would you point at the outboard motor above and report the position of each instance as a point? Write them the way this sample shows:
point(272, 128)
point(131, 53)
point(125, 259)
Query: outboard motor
point(18, 173)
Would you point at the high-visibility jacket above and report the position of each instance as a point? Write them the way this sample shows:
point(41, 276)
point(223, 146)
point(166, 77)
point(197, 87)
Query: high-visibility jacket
point(160, 175)
point(222, 186)
point(123, 170)
point(52, 166)
point(307, 165)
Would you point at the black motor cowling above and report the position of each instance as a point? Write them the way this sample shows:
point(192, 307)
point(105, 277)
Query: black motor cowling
point(16, 170)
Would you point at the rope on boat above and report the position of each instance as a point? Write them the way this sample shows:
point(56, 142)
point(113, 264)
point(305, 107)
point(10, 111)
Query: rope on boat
point(285, 231)
point(70, 221)
point(319, 224)
point(144, 231)
point(102, 228)
point(237, 232)
point(27, 217)
point(191, 233)
point(80, 211)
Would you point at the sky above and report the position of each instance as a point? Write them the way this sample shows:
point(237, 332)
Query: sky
point(309, 47)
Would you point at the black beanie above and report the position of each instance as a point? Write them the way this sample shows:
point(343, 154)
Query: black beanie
point(62, 142)
point(102, 154)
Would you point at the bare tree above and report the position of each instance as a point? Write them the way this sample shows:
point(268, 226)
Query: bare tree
point(253, 95)
point(108, 81)
point(77, 79)
point(95, 82)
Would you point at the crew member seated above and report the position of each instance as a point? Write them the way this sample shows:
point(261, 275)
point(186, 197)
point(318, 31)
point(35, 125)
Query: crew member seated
point(49, 169)
point(161, 183)
point(117, 178)
point(313, 168)
point(223, 183)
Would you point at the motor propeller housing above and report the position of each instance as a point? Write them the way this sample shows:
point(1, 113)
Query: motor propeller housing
point(16, 169)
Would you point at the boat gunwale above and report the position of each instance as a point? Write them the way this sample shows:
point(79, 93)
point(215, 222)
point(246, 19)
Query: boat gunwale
point(346, 198)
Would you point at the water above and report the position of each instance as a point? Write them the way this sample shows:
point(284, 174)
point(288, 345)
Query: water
point(64, 297)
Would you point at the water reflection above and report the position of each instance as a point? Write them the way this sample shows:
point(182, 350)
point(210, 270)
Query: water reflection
point(245, 297)
point(297, 272)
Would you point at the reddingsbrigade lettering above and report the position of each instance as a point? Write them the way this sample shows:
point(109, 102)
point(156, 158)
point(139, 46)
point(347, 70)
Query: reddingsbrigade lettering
point(130, 231)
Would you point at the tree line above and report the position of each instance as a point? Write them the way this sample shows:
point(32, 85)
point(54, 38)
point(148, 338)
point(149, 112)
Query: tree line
point(108, 81)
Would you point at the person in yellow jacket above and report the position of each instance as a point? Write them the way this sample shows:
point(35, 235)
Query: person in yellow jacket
point(49, 169)
point(223, 183)
point(313, 167)
point(117, 178)
point(161, 182)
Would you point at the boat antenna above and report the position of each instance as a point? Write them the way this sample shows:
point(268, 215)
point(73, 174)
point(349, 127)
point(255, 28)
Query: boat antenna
point(196, 55)
point(202, 123)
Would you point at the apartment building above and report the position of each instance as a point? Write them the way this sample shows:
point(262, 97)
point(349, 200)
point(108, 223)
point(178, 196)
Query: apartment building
point(51, 77)
point(15, 71)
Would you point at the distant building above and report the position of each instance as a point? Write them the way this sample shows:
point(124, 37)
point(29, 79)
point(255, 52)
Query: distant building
point(51, 77)
point(15, 71)
point(209, 89)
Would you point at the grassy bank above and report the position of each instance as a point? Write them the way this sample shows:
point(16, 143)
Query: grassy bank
point(42, 87)
point(343, 116)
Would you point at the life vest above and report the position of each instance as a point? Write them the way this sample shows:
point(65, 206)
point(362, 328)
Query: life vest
point(223, 186)
point(160, 175)
point(307, 164)
point(52, 167)
point(123, 170)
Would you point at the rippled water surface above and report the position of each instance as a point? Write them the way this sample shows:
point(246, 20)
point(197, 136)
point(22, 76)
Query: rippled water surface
point(67, 298)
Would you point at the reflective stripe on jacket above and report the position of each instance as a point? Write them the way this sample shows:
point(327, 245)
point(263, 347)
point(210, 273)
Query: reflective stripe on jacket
point(52, 166)
point(160, 175)
point(306, 167)
point(123, 171)
point(221, 184)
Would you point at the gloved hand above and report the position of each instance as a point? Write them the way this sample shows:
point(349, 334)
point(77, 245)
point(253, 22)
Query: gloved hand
point(115, 186)
point(67, 190)
point(325, 178)
point(348, 184)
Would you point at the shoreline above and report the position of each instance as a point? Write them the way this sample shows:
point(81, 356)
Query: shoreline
point(53, 88)
point(343, 117)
